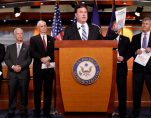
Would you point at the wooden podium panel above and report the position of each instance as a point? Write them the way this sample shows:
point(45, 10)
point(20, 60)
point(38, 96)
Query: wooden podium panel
point(72, 97)
point(85, 98)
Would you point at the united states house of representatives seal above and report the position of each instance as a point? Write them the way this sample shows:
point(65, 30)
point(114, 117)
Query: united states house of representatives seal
point(86, 70)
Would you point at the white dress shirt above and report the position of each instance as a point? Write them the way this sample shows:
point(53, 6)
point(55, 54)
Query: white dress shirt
point(80, 28)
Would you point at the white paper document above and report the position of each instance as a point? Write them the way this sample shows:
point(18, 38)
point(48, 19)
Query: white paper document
point(44, 66)
point(143, 58)
point(0, 73)
point(120, 18)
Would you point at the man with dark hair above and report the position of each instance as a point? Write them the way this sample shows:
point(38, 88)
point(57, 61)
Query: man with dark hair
point(2, 54)
point(81, 30)
point(122, 69)
point(141, 43)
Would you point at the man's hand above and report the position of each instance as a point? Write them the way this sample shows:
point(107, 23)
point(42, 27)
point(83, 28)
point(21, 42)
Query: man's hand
point(45, 59)
point(16, 68)
point(148, 50)
point(48, 64)
point(120, 58)
point(139, 51)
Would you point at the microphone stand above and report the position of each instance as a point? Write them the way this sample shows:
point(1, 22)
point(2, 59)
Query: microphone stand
point(55, 112)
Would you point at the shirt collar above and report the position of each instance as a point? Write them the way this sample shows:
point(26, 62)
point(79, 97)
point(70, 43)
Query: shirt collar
point(43, 35)
point(118, 38)
point(147, 33)
point(19, 44)
point(79, 25)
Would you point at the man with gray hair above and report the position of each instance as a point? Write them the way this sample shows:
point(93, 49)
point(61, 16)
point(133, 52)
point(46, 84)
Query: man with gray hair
point(42, 51)
point(141, 43)
point(18, 59)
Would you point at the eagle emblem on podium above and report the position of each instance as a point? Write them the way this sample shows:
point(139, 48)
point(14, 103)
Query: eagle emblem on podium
point(86, 70)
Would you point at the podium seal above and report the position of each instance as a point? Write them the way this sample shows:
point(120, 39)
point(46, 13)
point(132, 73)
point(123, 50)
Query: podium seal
point(86, 70)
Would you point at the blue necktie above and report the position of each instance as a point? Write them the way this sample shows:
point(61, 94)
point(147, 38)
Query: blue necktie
point(144, 44)
point(84, 34)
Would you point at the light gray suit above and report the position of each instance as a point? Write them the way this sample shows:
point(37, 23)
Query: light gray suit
point(18, 79)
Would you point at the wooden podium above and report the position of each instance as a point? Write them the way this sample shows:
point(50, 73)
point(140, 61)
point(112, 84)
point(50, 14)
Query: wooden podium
point(73, 96)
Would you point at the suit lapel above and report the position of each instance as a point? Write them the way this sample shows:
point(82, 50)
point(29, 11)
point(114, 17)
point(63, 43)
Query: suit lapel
point(149, 42)
point(15, 50)
point(139, 40)
point(90, 33)
point(48, 42)
point(21, 50)
point(75, 31)
point(90, 30)
point(121, 44)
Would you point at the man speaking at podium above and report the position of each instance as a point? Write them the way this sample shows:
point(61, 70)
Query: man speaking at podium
point(81, 30)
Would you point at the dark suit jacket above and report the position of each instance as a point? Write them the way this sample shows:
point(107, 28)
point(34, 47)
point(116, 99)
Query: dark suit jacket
point(23, 60)
point(38, 51)
point(2, 54)
point(72, 33)
point(123, 49)
point(112, 35)
point(135, 45)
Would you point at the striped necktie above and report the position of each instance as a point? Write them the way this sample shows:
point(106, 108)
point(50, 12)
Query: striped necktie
point(84, 33)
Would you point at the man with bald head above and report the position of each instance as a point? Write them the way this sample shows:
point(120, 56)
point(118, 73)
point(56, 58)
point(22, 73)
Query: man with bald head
point(42, 51)
point(18, 59)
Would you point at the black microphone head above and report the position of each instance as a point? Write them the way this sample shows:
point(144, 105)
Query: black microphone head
point(79, 28)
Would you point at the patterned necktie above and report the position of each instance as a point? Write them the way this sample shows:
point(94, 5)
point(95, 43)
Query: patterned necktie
point(18, 49)
point(84, 34)
point(44, 42)
point(144, 44)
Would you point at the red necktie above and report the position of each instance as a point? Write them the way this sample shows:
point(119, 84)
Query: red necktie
point(44, 42)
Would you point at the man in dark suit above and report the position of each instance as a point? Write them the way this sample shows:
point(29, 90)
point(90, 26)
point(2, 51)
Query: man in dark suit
point(122, 69)
point(42, 51)
point(141, 73)
point(2, 54)
point(17, 59)
point(81, 30)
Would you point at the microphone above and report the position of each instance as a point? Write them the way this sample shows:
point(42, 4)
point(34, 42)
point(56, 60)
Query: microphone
point(79, 28)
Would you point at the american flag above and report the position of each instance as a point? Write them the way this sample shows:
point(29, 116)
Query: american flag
point(57, 24)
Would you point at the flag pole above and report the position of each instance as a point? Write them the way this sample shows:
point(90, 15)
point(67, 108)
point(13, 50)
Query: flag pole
point(77, 1)
point(57, 1)
point(96, 2)
point(55, 112)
